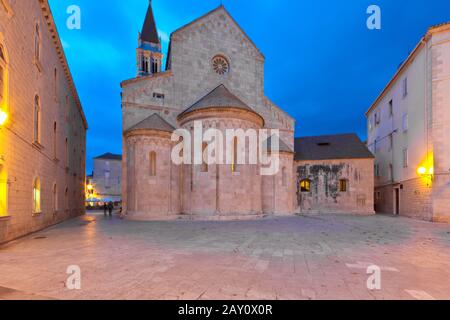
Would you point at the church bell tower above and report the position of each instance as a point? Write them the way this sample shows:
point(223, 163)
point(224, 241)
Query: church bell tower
point(149, 52)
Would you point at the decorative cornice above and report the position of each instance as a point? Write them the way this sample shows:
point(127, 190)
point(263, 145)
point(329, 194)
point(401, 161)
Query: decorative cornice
point(147, 133)
point(47, 13)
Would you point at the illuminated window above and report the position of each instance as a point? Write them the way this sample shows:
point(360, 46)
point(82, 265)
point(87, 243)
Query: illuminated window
point(152, 158)
point(305, 185)
point(204, 158)
point(343, 185)
point(37, 119)
point(37, 43)
point(3, 192)
point(36, 196)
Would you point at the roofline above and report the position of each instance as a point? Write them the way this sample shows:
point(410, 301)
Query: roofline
point(186, 113)
point(346, 158)
point(48, 16)
point(411, 56)
point(104, 158)
point(133, 128)
point(330, 135)
point(229, 15)
point(166, 73)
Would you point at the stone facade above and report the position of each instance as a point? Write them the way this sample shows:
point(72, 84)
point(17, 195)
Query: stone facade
point(189, 76)
point(42, 168)
point(325, 194)
point(214, 75)
point(107, 177)
point(408, 130)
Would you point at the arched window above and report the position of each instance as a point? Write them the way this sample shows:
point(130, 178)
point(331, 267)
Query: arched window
point(305, 185)
point(37, 119)
point(152, 158)
point(284, 177)
point(3, 192)
point(55, 198)
point(55, 140)
point(36, 196)
point(204, 157)
point(343, 185)
point(146, 65)
point(234, 167)
point(3, 76)
point(66, 151)
point(37, 43)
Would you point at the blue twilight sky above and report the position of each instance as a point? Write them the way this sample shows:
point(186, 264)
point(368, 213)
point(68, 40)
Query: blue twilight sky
point(323, 66)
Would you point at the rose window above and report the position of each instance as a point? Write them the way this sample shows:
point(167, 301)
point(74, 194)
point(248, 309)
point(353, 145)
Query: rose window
point(220, 65)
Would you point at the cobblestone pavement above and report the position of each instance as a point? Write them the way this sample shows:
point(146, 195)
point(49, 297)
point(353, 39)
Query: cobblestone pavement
point(319, 257)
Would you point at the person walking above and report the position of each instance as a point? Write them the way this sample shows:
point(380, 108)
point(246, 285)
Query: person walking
point(105, 208)
point(110, 208)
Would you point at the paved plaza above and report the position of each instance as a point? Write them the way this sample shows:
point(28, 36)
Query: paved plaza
point(315, 257)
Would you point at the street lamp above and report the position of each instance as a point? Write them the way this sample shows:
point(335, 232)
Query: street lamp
point(3, 117)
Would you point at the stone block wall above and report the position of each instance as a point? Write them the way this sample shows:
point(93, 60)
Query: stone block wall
point(325, 197)
point(150, 195)
point(415, 198)
point(60, 167)
point(440, 55)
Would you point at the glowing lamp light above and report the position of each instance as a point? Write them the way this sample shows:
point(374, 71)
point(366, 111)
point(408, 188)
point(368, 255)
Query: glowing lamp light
point(422, 170)
point(90, 187)
point(3, 117)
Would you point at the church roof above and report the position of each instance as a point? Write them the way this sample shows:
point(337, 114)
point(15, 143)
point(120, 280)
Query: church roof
point(343, 146)
point(154, 122)
point(282, 147)
point(110, 156)
point(149, 32)
point(219, 8)
point(220, 97)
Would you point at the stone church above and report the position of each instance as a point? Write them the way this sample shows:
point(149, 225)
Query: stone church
point(214, 73)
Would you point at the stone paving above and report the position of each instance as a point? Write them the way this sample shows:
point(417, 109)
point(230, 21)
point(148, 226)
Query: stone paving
point(316, 257)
